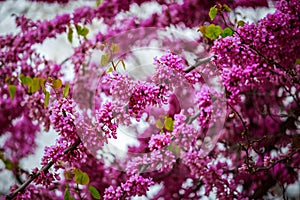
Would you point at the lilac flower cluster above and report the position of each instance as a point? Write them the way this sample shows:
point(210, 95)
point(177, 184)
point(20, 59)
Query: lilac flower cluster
point(62, 117)
point(185, 134)
point(161, 160)
point(159, 141)
point(118, 86)
point(170, 71)
point(268, 51)
point(145, 95)
point(105, 121)
point(204, 103)
point(136, 185)
point(212, 175)
point(258, 59)
point(21, 141)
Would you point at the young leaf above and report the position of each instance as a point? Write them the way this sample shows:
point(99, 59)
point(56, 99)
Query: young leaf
point(227, 32)
point(213, 12)
point(81, 178)
point(94, 192)
point(115, 48)
point(12, 91)
point(98, 2)
point(213, 31)
point(67, 195)
point(70, 34)
point(25, 80)
point(82, 31)
point(241, 23)
point(56, 84)
point(42, 83)
point(66, 90)
point(226, 8)
point(105, 59)
point(47, 97)
point(159, 124)
point(174, 148)
point(110, 70)
point(169, 123)
point(7, 162)
point(7, 79)
point(35, 85)
point(202, 29)
point(78, 27)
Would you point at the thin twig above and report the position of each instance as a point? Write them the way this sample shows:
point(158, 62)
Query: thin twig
point(199, 62)
point(44, 169)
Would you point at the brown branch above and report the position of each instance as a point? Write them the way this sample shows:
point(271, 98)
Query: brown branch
point(44, 169)
point(276, 162)
point(199, 62)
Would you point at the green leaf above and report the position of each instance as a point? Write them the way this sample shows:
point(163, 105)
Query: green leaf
point(110, 70)
point(241, 23)
point(7, 162)
point(98, 2)
point(82, 31)
point(22, 77)
point(115, 48)
point(213, 31)
point(94, 192)
point(159, 124)
point(169, 123)
point(66, 90)
point(67, 195)
point(42, 83)
point(213, 12)
point(12, 91)
point(81, 178)
point(227, 32)
point(70, 34)
point(105, 59)
point(25, 80)
point(174, 148)
point(56, 84)
point(47, 98)
point(35, 85)
point(297, 61)
point(226, 8)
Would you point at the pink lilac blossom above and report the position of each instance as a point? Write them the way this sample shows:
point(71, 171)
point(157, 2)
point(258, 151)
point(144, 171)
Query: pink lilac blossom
point(21, 141)
point(268, 50)
point(159, 141)
point(105, 120)
point(204, 103)
point(136, 185)
point(258, 59)
point(143, 96)
point(161, 161)
point(34, 192)
point(185, 134)
point(62, 117)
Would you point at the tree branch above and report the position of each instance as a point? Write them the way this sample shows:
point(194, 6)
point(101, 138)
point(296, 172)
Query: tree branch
point(199, 62)
point(43, 169)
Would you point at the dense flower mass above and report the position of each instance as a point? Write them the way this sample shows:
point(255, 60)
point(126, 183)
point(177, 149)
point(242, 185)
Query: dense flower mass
point(260, 54)
point(136, 185)
point(190, 138)
point(142, 96)
point(106, 122)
